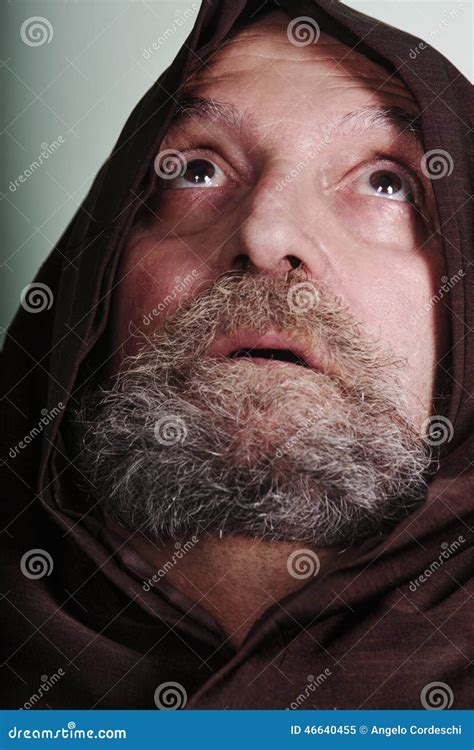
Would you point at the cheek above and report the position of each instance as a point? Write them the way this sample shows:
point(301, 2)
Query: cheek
point(394, 301)
point(387, 224)
point(152, 282)
point(390, 268)
point(192, 212)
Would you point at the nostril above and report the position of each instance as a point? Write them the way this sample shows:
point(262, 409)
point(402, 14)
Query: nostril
point(294, 261)
point(242, 262)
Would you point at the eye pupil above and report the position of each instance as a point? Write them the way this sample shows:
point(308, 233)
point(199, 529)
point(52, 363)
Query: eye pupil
point(387, 183)
point(199, 171)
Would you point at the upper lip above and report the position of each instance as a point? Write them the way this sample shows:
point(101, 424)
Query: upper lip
point(252, 340)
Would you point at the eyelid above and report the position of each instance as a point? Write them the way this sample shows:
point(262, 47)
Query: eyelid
point(403, 167)
point(195, 152)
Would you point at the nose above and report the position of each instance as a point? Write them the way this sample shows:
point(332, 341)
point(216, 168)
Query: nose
point(271, 239)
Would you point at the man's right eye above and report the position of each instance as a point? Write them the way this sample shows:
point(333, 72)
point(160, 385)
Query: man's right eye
point(196, 172)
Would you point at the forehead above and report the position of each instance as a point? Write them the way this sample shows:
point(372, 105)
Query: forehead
point(261, 68)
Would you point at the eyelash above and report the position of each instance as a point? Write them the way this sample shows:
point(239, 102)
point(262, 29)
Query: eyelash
point(208, 152)
point(409, 174)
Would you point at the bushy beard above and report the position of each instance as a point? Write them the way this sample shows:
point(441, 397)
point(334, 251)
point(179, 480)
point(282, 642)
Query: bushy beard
point(183, 443)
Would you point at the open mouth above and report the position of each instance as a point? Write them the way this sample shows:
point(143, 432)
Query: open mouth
point(260, 356)
point(271, 348)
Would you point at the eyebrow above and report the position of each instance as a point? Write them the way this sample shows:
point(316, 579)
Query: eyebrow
point(362, 120)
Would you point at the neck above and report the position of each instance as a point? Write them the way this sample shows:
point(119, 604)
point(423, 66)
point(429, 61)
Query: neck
point(235, 578)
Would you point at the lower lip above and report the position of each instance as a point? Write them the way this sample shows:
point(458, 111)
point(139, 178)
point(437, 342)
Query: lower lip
point(264, 361)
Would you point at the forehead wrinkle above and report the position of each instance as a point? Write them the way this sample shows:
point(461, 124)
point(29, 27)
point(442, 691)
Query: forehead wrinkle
point(362, 120)
point(267, 39)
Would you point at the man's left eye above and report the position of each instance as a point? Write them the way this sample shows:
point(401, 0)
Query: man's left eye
point(198, 173)
point(386, 183)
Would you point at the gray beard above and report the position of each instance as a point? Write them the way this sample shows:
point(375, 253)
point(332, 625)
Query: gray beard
point(184, 444)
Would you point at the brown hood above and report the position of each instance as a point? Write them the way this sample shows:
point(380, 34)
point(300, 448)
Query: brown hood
point(91, 615)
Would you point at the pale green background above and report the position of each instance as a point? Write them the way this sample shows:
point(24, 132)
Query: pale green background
point(83, 84)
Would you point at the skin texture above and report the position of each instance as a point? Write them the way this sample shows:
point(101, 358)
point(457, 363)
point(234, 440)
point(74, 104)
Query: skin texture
point(380, 255)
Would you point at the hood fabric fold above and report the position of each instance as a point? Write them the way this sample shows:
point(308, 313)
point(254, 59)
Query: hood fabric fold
point(377, 634)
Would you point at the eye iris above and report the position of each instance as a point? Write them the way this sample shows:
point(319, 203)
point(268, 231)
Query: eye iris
point(386, 183)
point(199, 171)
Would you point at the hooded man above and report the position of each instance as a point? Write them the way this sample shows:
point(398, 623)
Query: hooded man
point(251, 484)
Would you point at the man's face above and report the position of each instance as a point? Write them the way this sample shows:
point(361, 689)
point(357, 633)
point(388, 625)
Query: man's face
point(292, 236)
point(350, 203)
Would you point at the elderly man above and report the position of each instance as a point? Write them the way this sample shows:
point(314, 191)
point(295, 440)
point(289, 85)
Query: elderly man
point(255, 468)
